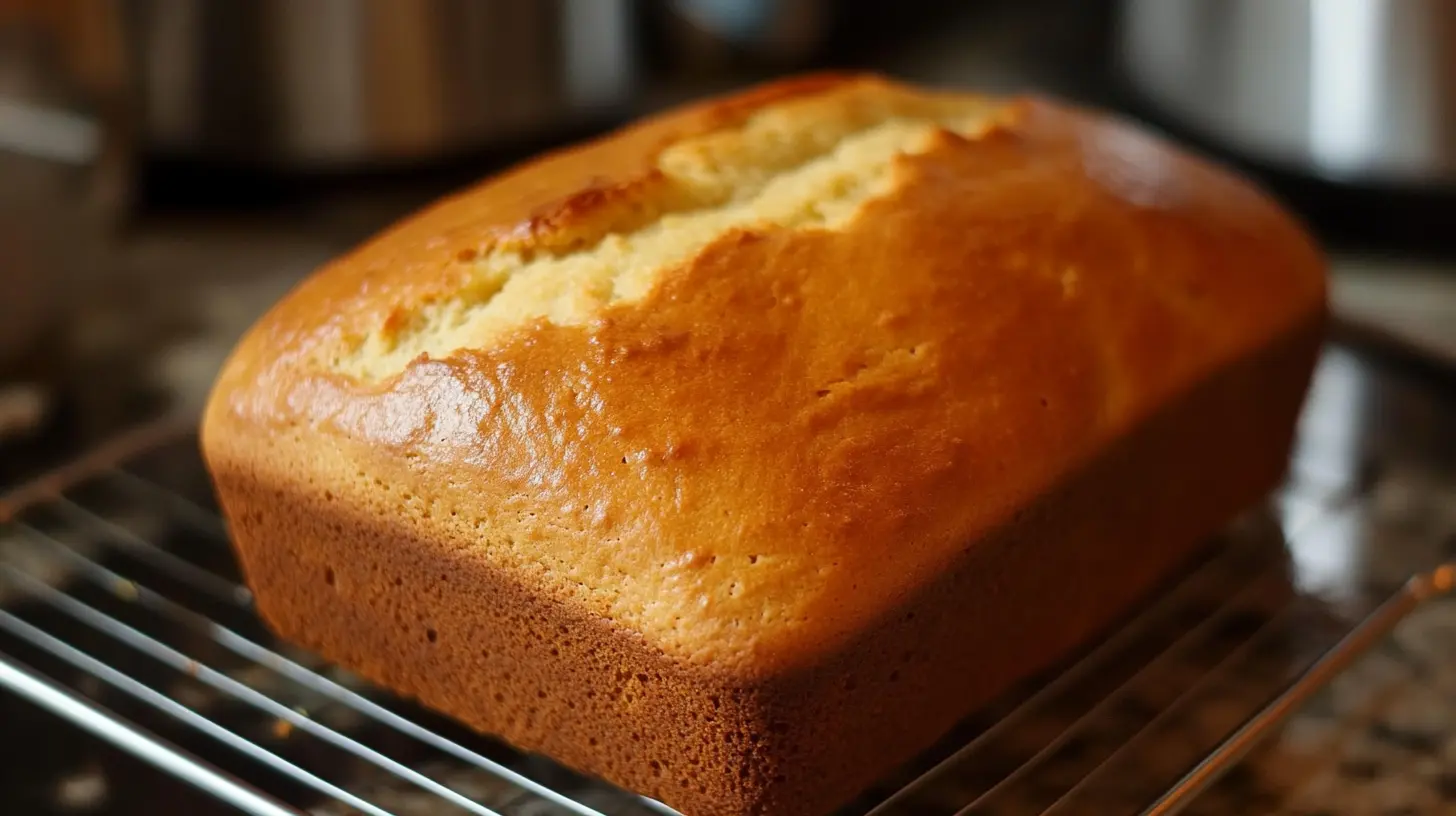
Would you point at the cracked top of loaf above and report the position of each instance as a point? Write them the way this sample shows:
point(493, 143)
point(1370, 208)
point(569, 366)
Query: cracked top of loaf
point(740, 377)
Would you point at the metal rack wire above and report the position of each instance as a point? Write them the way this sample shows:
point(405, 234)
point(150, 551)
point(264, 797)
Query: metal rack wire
point(122, 612)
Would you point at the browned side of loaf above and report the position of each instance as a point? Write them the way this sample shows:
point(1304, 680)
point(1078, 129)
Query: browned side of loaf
point(489, 651)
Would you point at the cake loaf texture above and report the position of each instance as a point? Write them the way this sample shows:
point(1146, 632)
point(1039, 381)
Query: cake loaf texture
point(735, 456)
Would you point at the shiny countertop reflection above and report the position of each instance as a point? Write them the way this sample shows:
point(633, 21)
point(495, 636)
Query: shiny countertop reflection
point(1382, 738)
point(1371, 501)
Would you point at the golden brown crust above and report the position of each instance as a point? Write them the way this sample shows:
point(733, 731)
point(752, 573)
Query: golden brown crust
point(773, 502)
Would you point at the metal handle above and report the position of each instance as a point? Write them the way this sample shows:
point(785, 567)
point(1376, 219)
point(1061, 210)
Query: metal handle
point(139, 743)
point(1416, 592)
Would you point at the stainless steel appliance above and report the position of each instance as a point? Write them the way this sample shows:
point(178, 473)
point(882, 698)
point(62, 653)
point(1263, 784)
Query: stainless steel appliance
point(344, 82)
point(62, 164)
point(1349, 90)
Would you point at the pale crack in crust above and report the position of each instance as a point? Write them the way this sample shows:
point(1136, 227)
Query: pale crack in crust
point(771, 173)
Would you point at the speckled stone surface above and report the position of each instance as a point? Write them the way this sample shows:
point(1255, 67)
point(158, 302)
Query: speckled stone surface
point(1380, 741)
point(1371, 501)
point(1382, 738)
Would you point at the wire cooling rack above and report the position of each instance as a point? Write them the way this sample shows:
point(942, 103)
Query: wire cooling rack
point(122, 612)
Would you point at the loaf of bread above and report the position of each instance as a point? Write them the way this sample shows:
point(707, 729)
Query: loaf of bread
point(737, 455)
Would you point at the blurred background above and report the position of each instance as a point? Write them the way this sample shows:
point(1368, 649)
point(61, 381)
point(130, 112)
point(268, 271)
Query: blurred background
point(168, 167)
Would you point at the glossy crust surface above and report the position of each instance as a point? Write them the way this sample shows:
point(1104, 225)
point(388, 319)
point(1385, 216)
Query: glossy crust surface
point(744, 527)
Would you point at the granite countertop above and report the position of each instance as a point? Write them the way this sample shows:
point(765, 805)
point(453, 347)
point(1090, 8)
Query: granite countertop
point(1380, 740)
